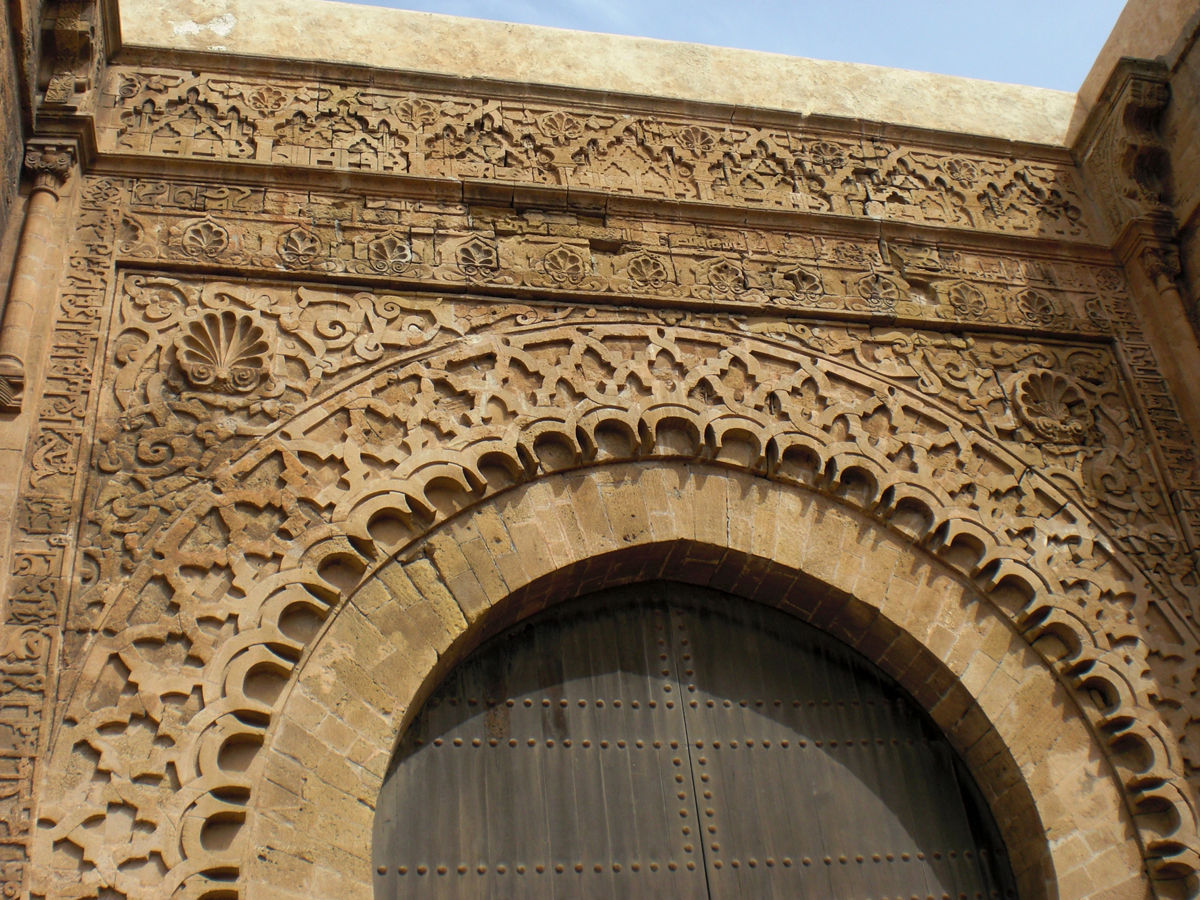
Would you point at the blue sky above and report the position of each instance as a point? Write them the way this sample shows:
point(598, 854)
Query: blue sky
point(1047, 43)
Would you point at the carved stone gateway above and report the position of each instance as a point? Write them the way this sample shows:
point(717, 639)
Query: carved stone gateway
point(332, 374)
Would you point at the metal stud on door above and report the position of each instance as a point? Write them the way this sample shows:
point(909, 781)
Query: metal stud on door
point(553, 763)
point(817, 775)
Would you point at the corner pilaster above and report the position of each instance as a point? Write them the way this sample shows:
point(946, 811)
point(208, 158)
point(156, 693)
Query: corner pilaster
point(1126, 165)
point(51, 165)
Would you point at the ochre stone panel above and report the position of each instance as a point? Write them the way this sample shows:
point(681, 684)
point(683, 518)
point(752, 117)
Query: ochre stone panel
point(601, 149)
point(264, 444)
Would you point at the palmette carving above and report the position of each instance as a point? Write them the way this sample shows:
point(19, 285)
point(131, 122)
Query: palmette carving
point(220, 511)
point(223, 351)
point(1056, 410)
point(178, 114)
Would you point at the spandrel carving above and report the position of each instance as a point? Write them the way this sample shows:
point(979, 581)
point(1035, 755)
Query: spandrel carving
point(217, 509)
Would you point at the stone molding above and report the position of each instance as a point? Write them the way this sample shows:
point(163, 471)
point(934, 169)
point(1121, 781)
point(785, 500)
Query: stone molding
point(1122, 149)
point(1126, 161)
point(904, 280)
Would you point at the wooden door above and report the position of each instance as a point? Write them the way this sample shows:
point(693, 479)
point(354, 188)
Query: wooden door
point(666, 742)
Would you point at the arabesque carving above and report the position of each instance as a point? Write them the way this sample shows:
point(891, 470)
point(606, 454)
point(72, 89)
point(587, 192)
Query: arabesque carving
point(224, 519)
point(657, 262)
point(168, 113)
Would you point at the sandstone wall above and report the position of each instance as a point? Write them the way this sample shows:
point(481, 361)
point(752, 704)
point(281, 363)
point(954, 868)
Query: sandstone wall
point(12, 125)
point(338, 370)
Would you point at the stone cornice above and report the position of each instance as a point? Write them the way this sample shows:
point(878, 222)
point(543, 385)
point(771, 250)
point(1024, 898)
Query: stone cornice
point(318, 34)
point(1120, 149)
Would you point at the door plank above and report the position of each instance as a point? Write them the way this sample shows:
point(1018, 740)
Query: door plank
point(669, 742)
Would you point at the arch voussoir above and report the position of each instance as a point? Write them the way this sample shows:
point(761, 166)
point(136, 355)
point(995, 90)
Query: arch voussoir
point(1017, 725)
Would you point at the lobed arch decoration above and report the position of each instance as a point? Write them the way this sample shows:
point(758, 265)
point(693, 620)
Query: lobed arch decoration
point(660, 520)
point(259, 488)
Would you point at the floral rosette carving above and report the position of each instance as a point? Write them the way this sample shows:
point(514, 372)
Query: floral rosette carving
point(797, 286)
point(206, 238)
point(726, 277)
point(565, 265)
point(561, 128)
point(298, 248)
point(646, 271)
point(699, 141)
point(477, 259)
point(1037, 308)
point(390, 254)
point(879, 293)
point(968, 302)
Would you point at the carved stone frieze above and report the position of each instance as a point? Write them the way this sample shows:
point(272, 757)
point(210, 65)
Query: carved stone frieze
point(602, 150)
point(288, 376)
point(657, 262)
point(308, 322)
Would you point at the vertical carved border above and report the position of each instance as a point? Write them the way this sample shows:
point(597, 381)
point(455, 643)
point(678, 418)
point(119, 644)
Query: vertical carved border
point(1157, 403)
point(47, 522)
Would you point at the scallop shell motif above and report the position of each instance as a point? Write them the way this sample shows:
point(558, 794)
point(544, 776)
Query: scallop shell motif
point(1054, 407)
point(223, 351)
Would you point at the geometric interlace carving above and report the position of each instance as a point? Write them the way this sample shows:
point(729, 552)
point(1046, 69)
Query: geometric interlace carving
point(254, 433)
